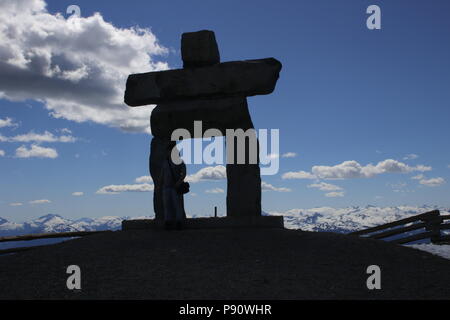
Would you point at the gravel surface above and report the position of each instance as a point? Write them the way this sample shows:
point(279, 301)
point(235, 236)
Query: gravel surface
point(224, 264)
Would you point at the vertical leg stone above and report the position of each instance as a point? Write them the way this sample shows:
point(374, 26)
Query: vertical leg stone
point(243, 190)
point(244, 179)
point(157, 154)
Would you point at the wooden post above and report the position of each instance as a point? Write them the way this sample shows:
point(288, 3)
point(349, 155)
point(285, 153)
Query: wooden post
point(433, 226)
point(215, 212)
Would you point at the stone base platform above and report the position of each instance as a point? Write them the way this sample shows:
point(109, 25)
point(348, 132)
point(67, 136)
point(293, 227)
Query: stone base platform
point(210, 223)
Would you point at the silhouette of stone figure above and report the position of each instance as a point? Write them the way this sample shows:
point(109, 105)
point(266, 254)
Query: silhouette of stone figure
point(158, 156)
point(158, 148)
point(171, 176)
point(214, 93)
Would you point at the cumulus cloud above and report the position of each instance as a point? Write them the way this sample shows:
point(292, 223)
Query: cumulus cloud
point(38, 138)
point(333, 191)
point(2, 153)
point(40, 201)
point(325, 186)
point(268, 187)
point(115, 189)
point(77, 66)
point(16, 204)
point(7, 122)
point(410, 156)
point(144, 179)
point(432, 182)
point(65, 130)
point(36, 152)
point(215, 190)
point(298, 175)
point(208, 174)
point(352, 169)
point(334, 194)
point(289, 155)
point(77, 194)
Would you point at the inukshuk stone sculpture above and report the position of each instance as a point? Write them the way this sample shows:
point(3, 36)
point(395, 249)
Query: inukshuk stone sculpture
point(214, 93)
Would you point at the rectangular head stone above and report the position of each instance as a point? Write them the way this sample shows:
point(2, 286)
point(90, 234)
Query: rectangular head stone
point(199, 49)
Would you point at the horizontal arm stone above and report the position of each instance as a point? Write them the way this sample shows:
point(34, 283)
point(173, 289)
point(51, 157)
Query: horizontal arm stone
point(228, 79)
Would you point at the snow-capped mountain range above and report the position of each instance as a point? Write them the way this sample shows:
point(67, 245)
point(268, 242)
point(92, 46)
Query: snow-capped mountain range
point(56, 223)
point(349, 219)
point(315, 219)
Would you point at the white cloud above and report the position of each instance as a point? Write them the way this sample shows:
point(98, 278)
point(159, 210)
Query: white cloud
point(144, 179)
point(208, 174)
point(77, 194)
point(215, 190)
point(410, 156)
point(298, 175)
point(352, 169)
point(433, 182)
point(115, 189)
point(16, 204)
point(334, 194)
point(268, 187)
point(289, 155)
point(7, 122)
point(2, 153)
point(36, 152)
point(38, 137)
point(65, 130)
point(40, 201)
point(325, 186)
point(77, 67)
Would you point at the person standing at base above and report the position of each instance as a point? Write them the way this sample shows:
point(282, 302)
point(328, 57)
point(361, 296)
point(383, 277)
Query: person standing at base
point(172, 176)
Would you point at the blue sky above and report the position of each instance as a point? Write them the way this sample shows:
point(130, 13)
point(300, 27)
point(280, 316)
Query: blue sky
point(345, 93)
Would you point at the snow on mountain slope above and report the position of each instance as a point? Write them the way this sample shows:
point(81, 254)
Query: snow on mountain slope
point(56, 223)
point(314, 219)
point(348, 219)
point(438, 250)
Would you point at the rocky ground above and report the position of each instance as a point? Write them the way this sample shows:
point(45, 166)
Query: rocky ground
point(223, 264)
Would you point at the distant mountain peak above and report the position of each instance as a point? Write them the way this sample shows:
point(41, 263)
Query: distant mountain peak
point(49, 216)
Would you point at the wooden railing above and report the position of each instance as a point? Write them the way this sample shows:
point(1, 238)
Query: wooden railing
point(36, 236)
point(431, 222)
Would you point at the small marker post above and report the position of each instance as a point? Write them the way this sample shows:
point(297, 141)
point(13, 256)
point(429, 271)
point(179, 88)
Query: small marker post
point(215, 212)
